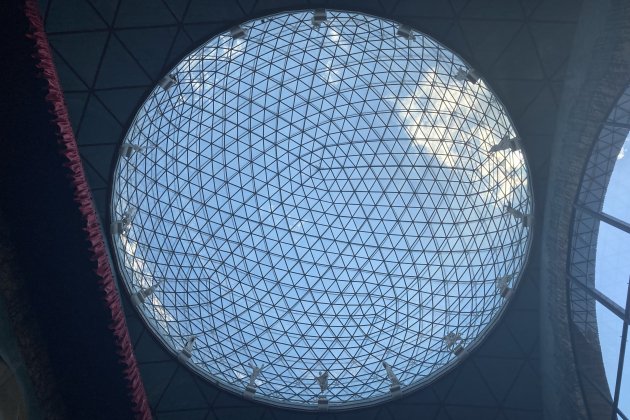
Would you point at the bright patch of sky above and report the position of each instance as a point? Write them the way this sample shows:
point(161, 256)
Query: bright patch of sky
point(321, 200)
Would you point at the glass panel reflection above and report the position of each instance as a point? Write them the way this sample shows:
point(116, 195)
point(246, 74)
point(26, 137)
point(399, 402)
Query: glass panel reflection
point(612, 264)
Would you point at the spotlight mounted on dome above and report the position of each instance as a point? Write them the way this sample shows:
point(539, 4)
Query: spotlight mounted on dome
point(507, 142)
point(167, 81)
point(139, 297)
point(127, 149)
point(186, 352)
point(405, 32)
point(322, 380)
point(467, 75)
point(526, 219)
point(250, 389)
point(503, 285)
point(238, 32)
point(394, 386)
point(122, 226)
point(454, 343)
point(319, 17)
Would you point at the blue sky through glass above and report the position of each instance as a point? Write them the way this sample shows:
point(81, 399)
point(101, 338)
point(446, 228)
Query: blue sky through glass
point(612, 271)
point(321, 199)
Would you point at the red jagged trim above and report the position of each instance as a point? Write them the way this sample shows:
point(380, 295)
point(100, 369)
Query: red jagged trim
point(83, 196)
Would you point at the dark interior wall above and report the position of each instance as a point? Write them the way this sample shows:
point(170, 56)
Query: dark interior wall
point(54, 295)
point(14, 336)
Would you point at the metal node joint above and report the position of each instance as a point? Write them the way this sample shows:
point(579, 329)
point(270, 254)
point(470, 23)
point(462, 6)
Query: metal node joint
point(319, 17)
point(186, 353)
point(507, 142)
point(454, 343)
point(467, 75)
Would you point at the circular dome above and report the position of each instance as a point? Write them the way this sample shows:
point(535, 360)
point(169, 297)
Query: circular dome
point(321, 208)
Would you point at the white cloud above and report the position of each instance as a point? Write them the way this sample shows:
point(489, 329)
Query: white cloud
point(435, 97)
point(144, 278)
point(622, 153)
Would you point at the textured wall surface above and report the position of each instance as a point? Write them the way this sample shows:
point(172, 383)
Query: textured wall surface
point(597, 74)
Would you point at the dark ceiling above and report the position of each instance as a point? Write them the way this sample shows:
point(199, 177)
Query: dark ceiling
point(109, 54)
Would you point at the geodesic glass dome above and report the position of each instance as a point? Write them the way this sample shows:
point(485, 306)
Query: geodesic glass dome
point(321, 208)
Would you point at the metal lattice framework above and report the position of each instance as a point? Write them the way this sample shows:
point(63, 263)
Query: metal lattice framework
point(593, 306)
point(321, 206)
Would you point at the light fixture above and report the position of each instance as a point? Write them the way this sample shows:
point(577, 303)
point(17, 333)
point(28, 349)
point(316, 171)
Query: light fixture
point(139, 297)
point(453, 342)
point(507, 142)
point(167, 81)
point(467, 75)
point(394, 386)
point(405, 31)
point(238, 32)
point(526, 219)
point(122, 225)
point(186, 352)
point(319, 17)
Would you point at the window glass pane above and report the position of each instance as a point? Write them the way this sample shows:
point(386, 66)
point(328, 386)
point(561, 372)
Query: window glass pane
point(617, 201)
point(612, 266)
point(609, 327)
point(624, 392)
